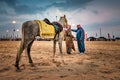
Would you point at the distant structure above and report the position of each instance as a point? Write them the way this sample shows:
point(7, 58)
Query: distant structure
point(100, 32)
point(113, 38)
point(109, 36)
point(96, 35)
point(56, 18)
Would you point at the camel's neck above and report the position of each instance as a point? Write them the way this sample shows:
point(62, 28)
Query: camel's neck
point(64, 24)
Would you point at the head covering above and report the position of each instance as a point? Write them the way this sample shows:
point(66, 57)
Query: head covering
point(78, 26)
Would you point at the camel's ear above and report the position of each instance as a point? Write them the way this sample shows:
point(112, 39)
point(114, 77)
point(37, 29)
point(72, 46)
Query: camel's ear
point(64, 16)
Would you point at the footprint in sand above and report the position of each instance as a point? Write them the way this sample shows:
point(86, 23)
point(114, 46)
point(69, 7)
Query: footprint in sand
point(5, 69)
point(43, 64)
point(58, 64)
point(63, 76)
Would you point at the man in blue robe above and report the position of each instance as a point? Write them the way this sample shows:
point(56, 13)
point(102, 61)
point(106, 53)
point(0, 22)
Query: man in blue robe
point(80, 38)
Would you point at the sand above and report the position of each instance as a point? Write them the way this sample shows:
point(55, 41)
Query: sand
point(101, 61)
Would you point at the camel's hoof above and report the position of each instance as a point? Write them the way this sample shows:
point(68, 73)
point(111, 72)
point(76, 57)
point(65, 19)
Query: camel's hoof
point(68, 52)
point(32, 65)
point(18, 70)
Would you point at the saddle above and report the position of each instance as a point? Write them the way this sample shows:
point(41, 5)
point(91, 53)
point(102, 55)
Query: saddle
point(58, 27)
point(47, 29)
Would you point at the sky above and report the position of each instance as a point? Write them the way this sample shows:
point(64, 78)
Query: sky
point(92, 15)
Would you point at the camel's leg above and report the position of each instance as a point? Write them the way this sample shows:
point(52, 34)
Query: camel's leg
point(60, 48)
point(29, 30)
point(68, 50)
point(19, 52)
point(54, 49)
point(28, 52)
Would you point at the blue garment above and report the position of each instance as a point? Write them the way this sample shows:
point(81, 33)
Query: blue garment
point(80, 39)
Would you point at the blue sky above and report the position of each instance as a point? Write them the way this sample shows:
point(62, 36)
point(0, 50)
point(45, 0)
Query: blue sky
point(91, 14)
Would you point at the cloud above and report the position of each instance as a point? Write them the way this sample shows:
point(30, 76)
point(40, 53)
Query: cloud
point(91, 14)
point(69, 4)
point(14, 7)
point(23, 7)
point(5, 9)
point(94, 13)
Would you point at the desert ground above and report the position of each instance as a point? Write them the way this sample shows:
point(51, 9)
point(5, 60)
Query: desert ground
point(101, 61)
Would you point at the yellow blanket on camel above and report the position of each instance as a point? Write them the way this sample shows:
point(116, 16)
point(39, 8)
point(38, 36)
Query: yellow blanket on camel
point(46, 31)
